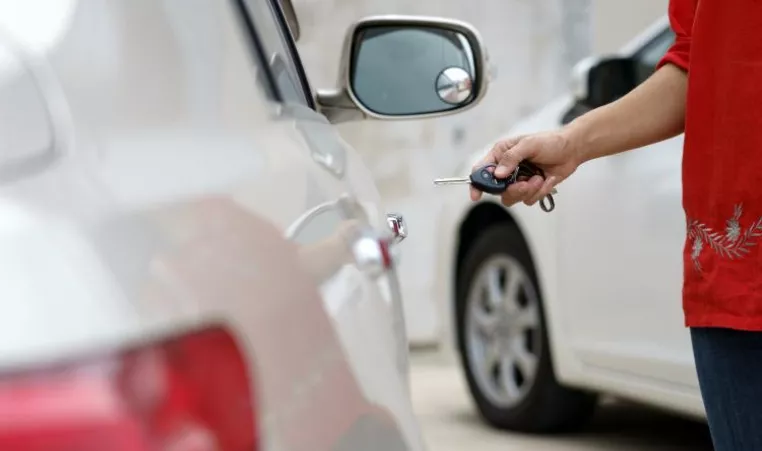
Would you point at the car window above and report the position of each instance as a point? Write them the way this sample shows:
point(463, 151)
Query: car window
point(650, 54)
point(25, 126)
point(280, 51)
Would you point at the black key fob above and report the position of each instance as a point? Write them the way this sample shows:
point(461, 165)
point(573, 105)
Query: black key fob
point(485, 181)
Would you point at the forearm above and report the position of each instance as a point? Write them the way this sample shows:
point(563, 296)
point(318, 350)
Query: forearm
point(652, 112)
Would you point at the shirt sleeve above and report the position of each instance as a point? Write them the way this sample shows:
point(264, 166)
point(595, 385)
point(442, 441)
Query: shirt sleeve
point(681, 14)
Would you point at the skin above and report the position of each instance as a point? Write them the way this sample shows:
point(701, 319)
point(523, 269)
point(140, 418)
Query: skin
point(652, 112)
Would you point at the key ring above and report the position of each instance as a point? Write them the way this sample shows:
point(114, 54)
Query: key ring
point(530, 170)
point(552, 203)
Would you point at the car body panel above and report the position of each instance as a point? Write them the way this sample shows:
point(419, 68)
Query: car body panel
point(169, 206)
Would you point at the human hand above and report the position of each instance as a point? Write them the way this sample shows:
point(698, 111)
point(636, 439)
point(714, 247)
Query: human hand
point(552, 152)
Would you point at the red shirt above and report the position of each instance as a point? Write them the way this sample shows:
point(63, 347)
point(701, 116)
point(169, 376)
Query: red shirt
point(719, 44)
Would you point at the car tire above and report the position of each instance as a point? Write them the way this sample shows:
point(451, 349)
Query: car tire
point(531, 400)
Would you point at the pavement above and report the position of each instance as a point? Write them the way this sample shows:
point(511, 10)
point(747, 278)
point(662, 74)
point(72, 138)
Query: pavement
point(450, 421)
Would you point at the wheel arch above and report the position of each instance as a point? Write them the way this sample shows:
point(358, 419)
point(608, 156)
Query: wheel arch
point(481, 216)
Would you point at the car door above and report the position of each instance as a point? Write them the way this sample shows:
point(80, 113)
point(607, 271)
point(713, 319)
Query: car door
point(341, 228)
point(626, 311)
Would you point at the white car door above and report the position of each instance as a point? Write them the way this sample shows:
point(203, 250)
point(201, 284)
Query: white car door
point(625, 242)
point(342, 230)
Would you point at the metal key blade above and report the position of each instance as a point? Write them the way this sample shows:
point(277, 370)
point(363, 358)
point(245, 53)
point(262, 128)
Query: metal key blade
point(465, 181)
point(453, 181)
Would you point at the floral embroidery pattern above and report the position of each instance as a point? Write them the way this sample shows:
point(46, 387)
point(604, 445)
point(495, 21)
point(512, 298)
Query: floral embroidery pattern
point(734, 244)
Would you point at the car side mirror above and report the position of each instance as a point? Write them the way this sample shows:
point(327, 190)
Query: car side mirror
point(407, 67)
point(600, 81)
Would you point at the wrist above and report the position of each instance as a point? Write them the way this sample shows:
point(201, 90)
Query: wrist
point(577, 142)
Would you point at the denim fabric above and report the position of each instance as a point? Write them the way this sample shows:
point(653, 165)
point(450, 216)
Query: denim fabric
point(729, 365)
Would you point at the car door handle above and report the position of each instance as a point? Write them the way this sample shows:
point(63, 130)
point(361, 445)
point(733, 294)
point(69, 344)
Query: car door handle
point(369, 246)
point(397, 226)
point(372, 251)
point(372, 254)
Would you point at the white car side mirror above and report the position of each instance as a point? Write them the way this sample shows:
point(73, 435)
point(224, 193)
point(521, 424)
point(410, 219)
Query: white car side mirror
point(599, 81)
point(407, 67)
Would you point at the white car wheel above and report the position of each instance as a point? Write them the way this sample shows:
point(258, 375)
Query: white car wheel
point(502, 328)
point(503, 342)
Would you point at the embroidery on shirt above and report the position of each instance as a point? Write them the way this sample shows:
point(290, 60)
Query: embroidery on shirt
point(735, 243)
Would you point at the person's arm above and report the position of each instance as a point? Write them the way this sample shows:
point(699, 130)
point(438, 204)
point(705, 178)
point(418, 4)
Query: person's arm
point(652, 112)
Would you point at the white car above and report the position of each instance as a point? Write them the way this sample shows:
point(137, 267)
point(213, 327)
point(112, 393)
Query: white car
point(192, 258)
point(550, 310)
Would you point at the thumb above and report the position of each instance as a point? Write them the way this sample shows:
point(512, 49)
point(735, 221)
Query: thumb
point(511, 157)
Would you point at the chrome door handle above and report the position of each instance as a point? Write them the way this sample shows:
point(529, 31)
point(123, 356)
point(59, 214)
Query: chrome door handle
point(398, 227)
point(372, 254)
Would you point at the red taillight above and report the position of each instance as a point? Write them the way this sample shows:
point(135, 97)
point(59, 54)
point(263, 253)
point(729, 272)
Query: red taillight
point(186, 394)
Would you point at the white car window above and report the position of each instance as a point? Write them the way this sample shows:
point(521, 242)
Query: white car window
point(280, 51)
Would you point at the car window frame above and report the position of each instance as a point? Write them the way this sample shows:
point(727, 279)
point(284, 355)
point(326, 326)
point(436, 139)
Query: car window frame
point(285, 35)
point(638, 56)
point(258, 52)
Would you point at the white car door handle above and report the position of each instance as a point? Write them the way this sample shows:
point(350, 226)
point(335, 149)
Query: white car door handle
point(372, 254)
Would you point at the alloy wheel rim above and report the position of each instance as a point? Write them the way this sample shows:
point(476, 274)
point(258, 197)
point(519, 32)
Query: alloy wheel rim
point(503, 331)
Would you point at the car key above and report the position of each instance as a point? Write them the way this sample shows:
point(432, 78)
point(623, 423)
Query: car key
point(485, 181)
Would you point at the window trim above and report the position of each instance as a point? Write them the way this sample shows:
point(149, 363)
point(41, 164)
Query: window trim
point(295, 56)
point(258, 49)
point(285, 34)
point(288, 37)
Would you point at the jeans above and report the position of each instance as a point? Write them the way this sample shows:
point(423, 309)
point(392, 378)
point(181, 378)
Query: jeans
point(729, 365)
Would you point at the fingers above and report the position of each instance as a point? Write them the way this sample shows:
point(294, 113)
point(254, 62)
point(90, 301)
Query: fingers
point(496, 153)
point(506, 155)
point(546, 186)
point(529, 192)
point(516, 193)
point(513, 156)
point(475, 193)
point(533, 186)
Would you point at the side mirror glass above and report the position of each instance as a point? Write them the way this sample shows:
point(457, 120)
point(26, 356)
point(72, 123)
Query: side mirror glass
point(599, 82)
point(407, 67)
point(403, 70)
